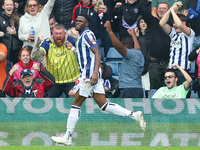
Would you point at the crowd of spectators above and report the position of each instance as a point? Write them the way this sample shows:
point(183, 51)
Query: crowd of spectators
point(163, 33)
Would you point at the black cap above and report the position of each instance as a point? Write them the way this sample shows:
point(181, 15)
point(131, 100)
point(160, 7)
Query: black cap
point(26, 72)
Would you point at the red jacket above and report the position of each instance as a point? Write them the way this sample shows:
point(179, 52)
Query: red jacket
point(15, 88)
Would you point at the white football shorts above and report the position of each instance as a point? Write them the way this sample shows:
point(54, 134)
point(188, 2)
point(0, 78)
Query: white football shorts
point(85, 89)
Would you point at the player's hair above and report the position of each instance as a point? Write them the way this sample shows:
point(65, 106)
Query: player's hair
point(87, 17)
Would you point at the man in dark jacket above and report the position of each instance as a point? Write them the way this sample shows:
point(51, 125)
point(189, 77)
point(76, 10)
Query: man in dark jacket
point(62, 11)
point(159, 43)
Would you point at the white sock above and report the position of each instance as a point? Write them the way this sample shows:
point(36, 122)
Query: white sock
point(73, 117)
point(115, 109)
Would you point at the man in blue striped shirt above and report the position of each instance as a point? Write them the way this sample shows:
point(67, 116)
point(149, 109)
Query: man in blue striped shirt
point(181, 39)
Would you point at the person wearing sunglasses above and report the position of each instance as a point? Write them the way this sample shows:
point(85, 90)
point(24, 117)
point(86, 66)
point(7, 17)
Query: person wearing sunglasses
point(36, 16)
point(171, 90)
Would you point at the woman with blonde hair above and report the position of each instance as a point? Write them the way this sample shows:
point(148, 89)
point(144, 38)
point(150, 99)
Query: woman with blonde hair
point(37, 17)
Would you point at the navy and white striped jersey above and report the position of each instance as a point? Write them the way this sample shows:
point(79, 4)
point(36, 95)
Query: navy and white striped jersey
point(180, 48)
point(86, 58)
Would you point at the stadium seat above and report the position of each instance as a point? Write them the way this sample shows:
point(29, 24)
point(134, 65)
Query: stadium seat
point(102, 54)
point(115, 68)
point(152, 92)
point(144, 93)
point(113, 55)
point(192, 69)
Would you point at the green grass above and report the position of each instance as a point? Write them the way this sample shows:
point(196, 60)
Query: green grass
point(16, 132)
point(94, 148)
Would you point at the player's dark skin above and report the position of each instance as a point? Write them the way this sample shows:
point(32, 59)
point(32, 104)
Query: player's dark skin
point(81, 24)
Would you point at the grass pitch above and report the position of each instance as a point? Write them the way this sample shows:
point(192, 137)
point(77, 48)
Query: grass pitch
point(94, 148)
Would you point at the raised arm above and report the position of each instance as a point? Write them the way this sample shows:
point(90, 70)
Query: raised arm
point(188, 79)
point(154, 12)
point(48, 7)
point(182, 26)
point(116, 43)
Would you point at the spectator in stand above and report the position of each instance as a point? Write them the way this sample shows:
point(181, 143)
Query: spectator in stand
point(25, 63)
point(149, 2)
point(129, 11)
point(3, 54)
point(142, 33)
point(106, 41)
point(19, 6)
point(132, 64)
point(9, 23)
point(106, 73)
point(172, 90)
point(52, 22)
point(35, 16)
point(195, 56)
point(71, 32)
point(71, 36)
point(154, 6)
point(97, 7)
point(159, 44)
point(27, 86)
point(181, 40)
point(62, 11)
point(111, 85)
point(86, 7)
point(193, 18)
point(60, 61)
point(113, 17)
